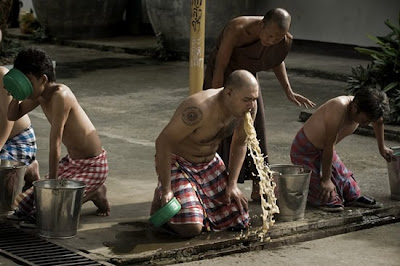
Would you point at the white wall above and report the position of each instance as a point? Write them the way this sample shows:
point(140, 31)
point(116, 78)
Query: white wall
point(337, 21)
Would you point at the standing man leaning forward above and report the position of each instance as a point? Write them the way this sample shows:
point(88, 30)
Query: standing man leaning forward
point(332, 185)
point(86, 159)
point(188, 166)
point(256, 44)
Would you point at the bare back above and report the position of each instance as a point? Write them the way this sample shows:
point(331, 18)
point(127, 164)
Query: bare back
point(69, 121)
point(330, 120)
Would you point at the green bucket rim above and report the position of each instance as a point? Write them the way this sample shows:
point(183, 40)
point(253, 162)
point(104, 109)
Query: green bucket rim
point(162, 215)
point(17, 84)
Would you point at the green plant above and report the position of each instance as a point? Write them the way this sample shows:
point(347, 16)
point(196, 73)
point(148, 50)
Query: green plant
point(384, 70)
point(10, 49)
point(28, 22)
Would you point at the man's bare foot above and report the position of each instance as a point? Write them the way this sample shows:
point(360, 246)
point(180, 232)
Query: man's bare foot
point(255, 193)
point(31, 174)
point(99, 198)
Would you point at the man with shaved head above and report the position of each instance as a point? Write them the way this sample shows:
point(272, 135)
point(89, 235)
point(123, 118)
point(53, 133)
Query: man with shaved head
point(188, 166)
point(254, 43)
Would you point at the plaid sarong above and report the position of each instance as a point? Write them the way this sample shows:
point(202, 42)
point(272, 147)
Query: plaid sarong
point(303, 152)
point(200, 188)
point(93, 171)
point(21, 148)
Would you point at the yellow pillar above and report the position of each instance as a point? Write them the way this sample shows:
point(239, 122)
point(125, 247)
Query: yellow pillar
point(197, 32)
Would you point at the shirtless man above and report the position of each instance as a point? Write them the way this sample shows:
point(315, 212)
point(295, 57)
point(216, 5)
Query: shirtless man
point(332, 185)
point(188, 166)
point(17, 136)
point(254, 43)
point(86, 159)
point(17, 139)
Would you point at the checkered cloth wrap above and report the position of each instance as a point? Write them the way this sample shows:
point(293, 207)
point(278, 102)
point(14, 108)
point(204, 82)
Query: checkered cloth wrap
point(21, 147)
point(303, 152)
point(209, 180)
point(93, 171)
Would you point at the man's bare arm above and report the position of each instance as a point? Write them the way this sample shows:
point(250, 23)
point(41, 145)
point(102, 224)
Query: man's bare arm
point(17, 109)
point(223, 57)
point(333, 121)
point(59, 115)
point(378, 127)
point(281, 75)
point(6, 125)
point(185, 120)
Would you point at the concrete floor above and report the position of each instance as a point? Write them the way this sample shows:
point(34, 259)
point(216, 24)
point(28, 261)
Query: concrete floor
point(130, 98)
point(361, 248)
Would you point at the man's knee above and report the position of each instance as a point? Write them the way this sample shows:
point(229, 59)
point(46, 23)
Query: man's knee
point(187, 230)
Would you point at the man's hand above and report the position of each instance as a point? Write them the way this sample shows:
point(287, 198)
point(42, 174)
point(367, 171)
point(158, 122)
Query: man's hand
point(386, 153)
point(236, 194)
point(166, 196)
point(300, 100)
point(328, 190)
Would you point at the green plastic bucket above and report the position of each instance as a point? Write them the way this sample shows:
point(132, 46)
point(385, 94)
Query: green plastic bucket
point(162, 215)
point(17, 84)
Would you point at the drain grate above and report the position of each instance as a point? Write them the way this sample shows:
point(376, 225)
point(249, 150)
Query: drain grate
point(32, 250)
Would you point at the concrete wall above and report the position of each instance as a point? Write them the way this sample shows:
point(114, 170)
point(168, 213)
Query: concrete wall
point(27, 5)
point(337, 21)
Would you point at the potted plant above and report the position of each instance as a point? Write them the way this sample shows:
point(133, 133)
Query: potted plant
point(384, 70)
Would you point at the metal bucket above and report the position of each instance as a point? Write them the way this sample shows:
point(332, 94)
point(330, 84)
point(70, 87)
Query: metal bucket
point(394, 173)
point(11, 183)
point(292, 184)
point(58, 207)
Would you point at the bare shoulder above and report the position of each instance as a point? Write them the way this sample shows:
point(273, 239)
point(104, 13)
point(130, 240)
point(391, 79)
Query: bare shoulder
point(237, 27)
point(196, 107)
point(62, 91)
point(339, 102)
point(336, 108)
point(191, 110)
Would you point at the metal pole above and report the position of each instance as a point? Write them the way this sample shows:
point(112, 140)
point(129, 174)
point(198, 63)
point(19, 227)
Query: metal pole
point(197, 33)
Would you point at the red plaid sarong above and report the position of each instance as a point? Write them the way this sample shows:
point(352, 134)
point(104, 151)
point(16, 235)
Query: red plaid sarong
point(303, 152)
point(93, 171)
point(200, 188)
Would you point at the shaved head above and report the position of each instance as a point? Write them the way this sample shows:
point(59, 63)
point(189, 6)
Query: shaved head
point(278, 16)
point(240, 79)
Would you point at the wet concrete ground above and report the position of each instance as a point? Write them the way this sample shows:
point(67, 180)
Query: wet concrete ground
point(130, 98)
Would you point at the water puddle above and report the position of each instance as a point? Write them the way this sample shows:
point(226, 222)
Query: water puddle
point(138, 237)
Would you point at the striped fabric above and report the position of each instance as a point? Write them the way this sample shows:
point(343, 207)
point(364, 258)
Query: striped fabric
point(92, 171)
point(200, 188)
point(303, 152)
point(21, 147)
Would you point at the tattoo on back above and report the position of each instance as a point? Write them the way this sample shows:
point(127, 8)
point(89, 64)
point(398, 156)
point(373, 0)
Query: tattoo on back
point(192, 116)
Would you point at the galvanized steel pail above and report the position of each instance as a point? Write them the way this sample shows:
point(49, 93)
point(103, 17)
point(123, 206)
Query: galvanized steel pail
point(58, 207)
point(11, 183)
point(394, 173)
point(292, 184)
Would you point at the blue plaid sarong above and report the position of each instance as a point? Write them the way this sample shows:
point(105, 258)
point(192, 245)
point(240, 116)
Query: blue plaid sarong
point(21, 147)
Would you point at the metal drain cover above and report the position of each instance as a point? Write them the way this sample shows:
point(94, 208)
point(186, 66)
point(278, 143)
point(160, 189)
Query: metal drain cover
point(30, 249)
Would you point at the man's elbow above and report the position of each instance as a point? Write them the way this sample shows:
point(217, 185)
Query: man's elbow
point(12, 117)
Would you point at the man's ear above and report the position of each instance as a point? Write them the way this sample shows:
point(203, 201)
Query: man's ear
point(229, 91)
point(44, 79)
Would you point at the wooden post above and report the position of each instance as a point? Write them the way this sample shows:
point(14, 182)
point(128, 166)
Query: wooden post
point(197, 33)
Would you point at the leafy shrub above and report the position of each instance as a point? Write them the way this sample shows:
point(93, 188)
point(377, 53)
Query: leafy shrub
point(384, 70)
